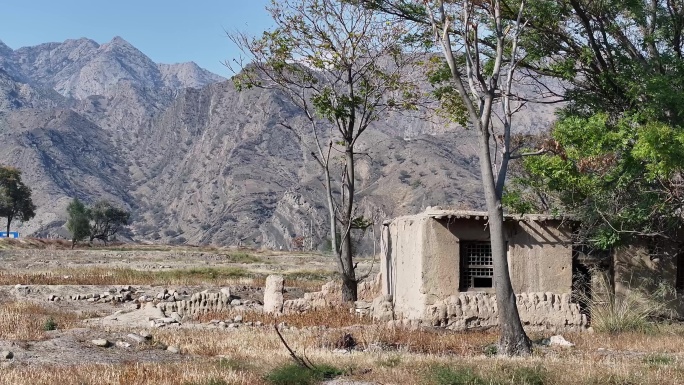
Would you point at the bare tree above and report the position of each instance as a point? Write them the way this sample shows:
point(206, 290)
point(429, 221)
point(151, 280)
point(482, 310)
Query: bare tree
point(342, 66)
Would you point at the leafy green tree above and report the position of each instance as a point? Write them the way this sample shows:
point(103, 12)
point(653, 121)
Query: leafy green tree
point(106, 220)
point(15, 197)
point(78, 221)
point(615, 158)
point(341, 65)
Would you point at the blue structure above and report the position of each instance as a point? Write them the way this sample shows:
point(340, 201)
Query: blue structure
point(12, 234)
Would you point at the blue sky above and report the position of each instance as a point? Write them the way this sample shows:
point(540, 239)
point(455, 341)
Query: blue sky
point(168, 31)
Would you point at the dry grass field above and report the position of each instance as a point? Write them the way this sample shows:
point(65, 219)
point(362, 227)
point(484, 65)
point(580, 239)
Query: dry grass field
point(52, 345)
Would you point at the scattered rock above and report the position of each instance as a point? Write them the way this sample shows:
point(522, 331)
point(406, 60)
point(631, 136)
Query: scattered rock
point(6, 354)
point(557, 340)
point(173, 349)
point(101, 342)
point(137, 338)
point(146, 335)
point(122, 344)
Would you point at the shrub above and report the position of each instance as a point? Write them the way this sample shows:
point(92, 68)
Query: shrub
point(50, 324)
point(293, 374)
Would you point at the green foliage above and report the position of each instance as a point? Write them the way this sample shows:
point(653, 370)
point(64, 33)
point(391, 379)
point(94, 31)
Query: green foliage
point(655, 360)
point(491, 350)
point(618, 177)
point(523, 375)
point(106, 220)
point(78, 221)
point(361, 222)
point(15, 197)
point(451, 107)
point(293, 374)
point(443, 375)
point(50, 324)
point(344, 66)
point(229, 364)
point(618, 161)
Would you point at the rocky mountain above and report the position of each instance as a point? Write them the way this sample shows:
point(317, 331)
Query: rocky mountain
point(197, 161)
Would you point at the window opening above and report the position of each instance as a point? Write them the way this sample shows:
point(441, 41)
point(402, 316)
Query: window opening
point(477, 265)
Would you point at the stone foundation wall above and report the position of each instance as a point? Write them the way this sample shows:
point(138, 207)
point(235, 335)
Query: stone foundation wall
point(477, 310)
point(331, 295)
point(201, 303)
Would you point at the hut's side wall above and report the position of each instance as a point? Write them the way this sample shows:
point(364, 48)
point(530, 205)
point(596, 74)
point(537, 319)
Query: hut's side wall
point(636, 272)
point(403, 266)
point(540, 257)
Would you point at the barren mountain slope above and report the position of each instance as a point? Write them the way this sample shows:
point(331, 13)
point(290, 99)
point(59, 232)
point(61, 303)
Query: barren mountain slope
point(62, 155)
point(218, 165)
point(206, 164)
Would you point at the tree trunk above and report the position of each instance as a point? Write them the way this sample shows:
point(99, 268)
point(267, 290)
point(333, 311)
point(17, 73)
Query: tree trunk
point(349, 289)
point(9, 220)
point(513, 340)
point(331, 215)
point(349, 283)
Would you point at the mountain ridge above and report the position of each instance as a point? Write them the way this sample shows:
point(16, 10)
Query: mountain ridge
point(198, 161)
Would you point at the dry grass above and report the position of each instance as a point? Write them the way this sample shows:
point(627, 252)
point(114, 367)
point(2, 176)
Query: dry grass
point(25, 321)
point(186, 373)
point(409, 357)
point(216, 276)
point(332, 317)
point(393, 356)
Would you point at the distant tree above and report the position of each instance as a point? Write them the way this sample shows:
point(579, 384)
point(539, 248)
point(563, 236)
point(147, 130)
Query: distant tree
point(106, 220)
point(15, 197)
point(298, 243)
point(78, 222)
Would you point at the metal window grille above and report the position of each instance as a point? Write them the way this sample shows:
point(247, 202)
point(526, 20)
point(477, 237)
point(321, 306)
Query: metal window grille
point(477, 267)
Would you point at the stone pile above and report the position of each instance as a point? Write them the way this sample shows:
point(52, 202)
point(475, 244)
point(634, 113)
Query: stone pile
point(125, 294)
point(234, 323)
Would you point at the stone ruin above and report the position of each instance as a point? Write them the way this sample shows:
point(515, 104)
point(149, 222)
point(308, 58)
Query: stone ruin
point(457, 312)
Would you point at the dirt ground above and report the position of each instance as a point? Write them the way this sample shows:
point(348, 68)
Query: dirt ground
point(74, 345)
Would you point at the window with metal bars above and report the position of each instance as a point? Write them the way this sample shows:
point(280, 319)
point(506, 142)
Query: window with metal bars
point(477, 268)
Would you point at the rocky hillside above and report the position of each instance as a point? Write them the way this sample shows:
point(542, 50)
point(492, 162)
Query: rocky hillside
point(196, 160)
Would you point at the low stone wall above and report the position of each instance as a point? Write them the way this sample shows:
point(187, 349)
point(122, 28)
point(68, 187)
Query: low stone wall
point(331, 295)
point(476, 310)
point(472, 310)
point(201, 303)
